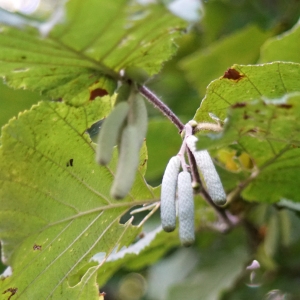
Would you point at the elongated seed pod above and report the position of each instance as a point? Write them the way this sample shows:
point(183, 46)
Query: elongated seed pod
point(128, 162)
point(168, 194)
point(139, 116)
point(109, 133)
point(208, 171)
point(186, 209)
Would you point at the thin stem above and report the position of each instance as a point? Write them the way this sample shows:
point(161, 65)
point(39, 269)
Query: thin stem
point(150, 214)
point(151, 97)
point(194, 170)
point(181, 155)
point(144, 208)
point(188, 131)
point(220, 211)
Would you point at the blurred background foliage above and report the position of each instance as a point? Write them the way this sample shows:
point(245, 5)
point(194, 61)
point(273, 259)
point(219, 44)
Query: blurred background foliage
point(221, 33)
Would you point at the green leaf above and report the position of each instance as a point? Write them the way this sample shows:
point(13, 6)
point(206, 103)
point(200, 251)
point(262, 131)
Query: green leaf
point(276, 179)
point(241, 47)
point(56, 211)
point(144, 252)
point(263, 123)
point(274, 148)
point(284, 47)
point(263, 120)
point(14, 101)
point(253, 82)
point(82, 57)
point(268, 132)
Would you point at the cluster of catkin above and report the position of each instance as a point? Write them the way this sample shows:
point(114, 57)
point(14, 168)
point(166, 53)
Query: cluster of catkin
point(180, 183)
point(126, 126)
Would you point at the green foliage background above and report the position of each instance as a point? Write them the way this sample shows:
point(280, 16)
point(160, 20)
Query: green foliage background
point(61, 232)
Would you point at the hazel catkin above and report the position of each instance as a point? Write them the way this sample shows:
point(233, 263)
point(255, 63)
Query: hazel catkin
point(186, 209)
point(168, 194)
point(208, 172)
point(139, 116)
point(128, 162)
point(109, 133)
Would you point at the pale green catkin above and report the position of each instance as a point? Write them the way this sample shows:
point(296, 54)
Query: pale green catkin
point(168, 194)
point(139, 116)
point(128, 162)
point(109, 133)
point(208, 171)
point(186, 209)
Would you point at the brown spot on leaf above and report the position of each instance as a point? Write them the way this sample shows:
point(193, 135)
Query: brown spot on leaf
point(286, 106)
point(10, 290)
point(245, 116)
point(239, 104)
point(37, 247)
point(143, 163)
point(253, 130)
point(98, 92)
point(233, 74)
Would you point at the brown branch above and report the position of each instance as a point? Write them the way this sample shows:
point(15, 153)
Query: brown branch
point(151, 97)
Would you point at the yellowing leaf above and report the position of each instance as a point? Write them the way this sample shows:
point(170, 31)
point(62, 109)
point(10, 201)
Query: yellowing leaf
point(226, 157)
